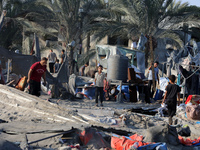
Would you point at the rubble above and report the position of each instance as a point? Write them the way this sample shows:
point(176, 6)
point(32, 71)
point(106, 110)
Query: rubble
point(44, 123)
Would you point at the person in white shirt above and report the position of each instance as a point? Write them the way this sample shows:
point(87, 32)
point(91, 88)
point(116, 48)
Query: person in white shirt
point(52, 59)
point(150, 78)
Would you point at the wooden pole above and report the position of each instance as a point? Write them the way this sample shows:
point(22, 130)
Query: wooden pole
point(184, 89)
point(8, 70)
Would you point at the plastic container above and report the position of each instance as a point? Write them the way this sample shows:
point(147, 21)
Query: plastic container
point(117, 68)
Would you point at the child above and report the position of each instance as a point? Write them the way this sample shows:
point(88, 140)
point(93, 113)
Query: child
point(56, 66)
point(172, 90)
point(99, 82)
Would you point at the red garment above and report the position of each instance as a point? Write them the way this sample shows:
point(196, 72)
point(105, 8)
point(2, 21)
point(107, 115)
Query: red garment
point(188, 141)
point(122, 143)
point(85, 137)
point(38, 71)
point(194, 99)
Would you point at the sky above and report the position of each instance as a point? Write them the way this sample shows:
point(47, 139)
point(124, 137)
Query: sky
point(192, 2)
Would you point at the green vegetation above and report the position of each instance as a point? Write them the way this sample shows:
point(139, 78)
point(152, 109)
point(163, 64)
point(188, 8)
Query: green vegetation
point(78, 19)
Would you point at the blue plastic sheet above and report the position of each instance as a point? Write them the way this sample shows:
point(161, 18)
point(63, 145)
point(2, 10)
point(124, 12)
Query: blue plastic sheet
point(158, 95)
point(157, 146)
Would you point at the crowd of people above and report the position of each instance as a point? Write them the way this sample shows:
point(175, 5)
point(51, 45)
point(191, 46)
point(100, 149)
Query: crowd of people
point(38, 71)
point(171, 97)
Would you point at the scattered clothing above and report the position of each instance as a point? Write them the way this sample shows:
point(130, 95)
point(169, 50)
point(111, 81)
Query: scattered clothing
point(193, 112)
point(189, 142)
point(134, 142)
point(194, 99)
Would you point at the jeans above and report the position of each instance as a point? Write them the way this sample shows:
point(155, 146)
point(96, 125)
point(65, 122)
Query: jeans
point(51, 65)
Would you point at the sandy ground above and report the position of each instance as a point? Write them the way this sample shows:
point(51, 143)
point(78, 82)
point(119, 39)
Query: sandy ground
point(39, 118)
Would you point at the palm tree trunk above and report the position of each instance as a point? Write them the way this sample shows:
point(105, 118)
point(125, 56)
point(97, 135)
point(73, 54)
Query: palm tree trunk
point(88, 42)
point(71, 64)
point(152, 62)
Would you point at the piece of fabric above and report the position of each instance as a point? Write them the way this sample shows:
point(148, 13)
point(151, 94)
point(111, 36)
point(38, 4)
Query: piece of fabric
point(134, 142)
point(157, 146)
point(193, 112)
point(141, 61)
point(35, 88)
point(99, 79)
point(22, 83)
point(179, 79)
point(158, 95)
point(163, 82)
point(161, 110)
point(141, 42)
point(172, 90)
point(185, 131)
point(93, 137)
point(52, 57)
point(194, 99)
point(189, 142)
point(38, 71)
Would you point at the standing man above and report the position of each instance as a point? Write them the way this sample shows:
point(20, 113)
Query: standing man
point(52, 59)
point(99, 82)
point(62, 56)
point(150, 78)
point(35, 73)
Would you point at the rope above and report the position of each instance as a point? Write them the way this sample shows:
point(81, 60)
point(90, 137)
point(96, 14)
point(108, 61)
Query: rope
point(192, 74)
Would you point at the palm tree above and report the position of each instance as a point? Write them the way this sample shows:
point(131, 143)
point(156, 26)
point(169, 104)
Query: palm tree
point(71, 22)
point(23, 16)
point(158, 18)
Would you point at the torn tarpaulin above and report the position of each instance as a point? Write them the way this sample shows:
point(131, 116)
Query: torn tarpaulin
point(134, 141)
point(92, 136)
point(189, 142)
